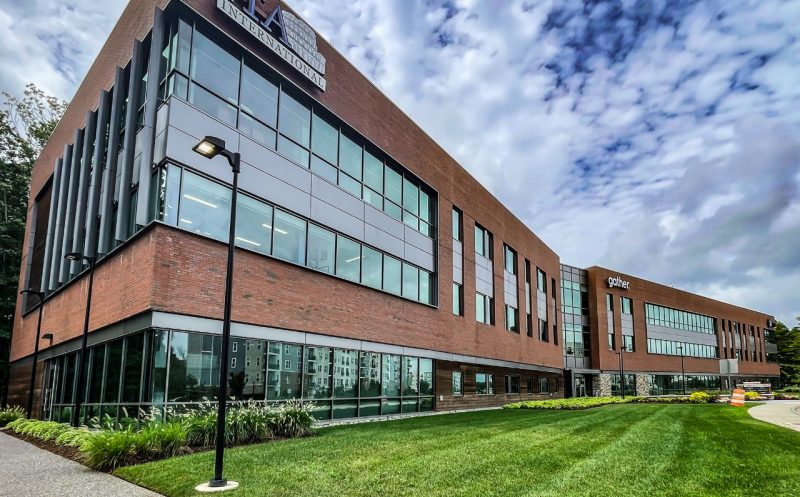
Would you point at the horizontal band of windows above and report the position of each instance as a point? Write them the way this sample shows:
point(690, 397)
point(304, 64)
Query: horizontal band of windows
point(667, 317)
point(202, 206)
point(668, 347)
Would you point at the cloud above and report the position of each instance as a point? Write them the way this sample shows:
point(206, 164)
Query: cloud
point(658, 137)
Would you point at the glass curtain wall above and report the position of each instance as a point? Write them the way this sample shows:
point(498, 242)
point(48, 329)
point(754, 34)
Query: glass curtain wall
point(178, 370)
point(200, 205)
point(242, 94)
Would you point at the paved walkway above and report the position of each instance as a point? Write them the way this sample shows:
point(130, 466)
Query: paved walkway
point(779, 412)
point(28, 471)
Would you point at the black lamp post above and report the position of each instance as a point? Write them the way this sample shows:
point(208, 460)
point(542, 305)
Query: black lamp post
point(683, 371)
point(209, 148)
point(76, 256)
point(621, 370)
point(40, 295)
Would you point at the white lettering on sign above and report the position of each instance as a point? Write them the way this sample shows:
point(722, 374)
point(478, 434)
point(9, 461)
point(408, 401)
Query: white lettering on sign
point(617, 281)
point(301, 41)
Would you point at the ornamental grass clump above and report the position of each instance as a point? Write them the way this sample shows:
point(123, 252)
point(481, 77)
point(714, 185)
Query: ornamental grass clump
point(294, 419)
point(244, 423)
point(11, 414)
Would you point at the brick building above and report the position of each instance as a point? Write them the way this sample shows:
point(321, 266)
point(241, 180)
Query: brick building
point(373, 274)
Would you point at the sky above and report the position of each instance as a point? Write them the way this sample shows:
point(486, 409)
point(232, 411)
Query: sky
point(659, 138)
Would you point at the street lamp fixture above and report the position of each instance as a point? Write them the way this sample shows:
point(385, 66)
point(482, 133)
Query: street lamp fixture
point(77, 256)
point(210, 147)
point(40, 296)
point(621, 369)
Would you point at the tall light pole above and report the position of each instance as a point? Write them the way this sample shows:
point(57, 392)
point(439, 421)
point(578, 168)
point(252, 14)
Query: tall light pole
point(40, 295)
point(621, 370)
point(683, 371)
point(77, 256)
point(209, 148)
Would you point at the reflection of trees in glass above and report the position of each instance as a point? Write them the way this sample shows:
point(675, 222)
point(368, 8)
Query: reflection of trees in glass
point(236, 384)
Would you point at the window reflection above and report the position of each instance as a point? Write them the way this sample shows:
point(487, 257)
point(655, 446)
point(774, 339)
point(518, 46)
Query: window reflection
point(294, 120)
point(290, 237)
point(204, 207)
point(321, 246)
point(372, 267)
point(253, 225)
point(259, 97)
point(348, 259)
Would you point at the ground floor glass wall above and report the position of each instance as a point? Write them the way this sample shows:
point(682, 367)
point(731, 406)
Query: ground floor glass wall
point(177, 369)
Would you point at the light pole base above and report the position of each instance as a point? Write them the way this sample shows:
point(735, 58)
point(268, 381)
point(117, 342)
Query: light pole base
point(209, 487)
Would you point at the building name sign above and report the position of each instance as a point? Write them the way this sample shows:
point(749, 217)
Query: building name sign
point(617, 281)
point(282, 32)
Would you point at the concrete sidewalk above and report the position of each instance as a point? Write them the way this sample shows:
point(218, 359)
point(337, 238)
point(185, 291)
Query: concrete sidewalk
point(28, 471)
point(784, 413)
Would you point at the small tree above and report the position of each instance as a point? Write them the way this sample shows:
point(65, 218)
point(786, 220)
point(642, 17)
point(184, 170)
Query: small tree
point(25, 126)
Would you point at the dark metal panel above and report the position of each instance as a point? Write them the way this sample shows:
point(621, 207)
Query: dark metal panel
point(51, 225)
point(143, 204)
point(79, 228)
point(72, 200)
point(61, 202)
point(129, 143)
point(98, 166)
point(110, 172)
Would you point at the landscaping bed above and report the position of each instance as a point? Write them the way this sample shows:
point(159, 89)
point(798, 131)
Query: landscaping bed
point(157, 436)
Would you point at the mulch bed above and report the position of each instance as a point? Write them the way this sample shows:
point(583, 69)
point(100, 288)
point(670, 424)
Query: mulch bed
point(69, 452)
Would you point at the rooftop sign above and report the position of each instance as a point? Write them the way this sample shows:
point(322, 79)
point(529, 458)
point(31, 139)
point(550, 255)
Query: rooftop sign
point(618, 282)
point(282, 32)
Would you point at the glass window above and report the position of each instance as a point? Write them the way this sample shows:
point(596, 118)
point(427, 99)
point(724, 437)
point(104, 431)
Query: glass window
point(259, 97)
point(425, 376)
point(424, 206)
point(484, 384)
point(351, 185)
point(253, 224)
point(215, 68)
point(510, 259)
point(410, 282)
point(371, 267)
point(284, 366)
point(293, 151)
point(113, 371)
point(392, 209)
point(544, 385)
point(132, 376)
point(96, 368)
point(212, 105)
point(483, 308)
point(348, 259)
point(541, 280)
point(425, 287)
point(257, 131)
point(321, 247)
point(324, 139)
point(370, 375)
point(373, 173)
point(483, 242)
point(391, 275)
point(172, 195)
point(345, 373)
point(458, 233)
point(410, 376)
point(411, 220)
point(394, 186)
point(512, 323)
point(458, 383)
point(391, 376)
point(205, 207)
point(324, 169)
point(410, 197)
point(350, 157)
point(458, 300)
point(317, 384)
point(512, 384)
point(290, 238)
point(248, 369)
point(159, 375)
point(372, 198)
point(294, 120)
point(193, 367)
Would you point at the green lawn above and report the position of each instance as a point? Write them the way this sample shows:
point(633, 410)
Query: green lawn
point(618, 450)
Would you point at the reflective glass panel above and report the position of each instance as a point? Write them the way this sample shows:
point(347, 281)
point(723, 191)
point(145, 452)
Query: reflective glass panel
point(321, 246)
point(348, 259)
point(324, 139)
point(295, 120)
point(253, 224)
point(371, 267)
point(259, 97)
point(205, 207)
point(391, 275)
point(215, 68)
point(345, 373)
point(290, 237)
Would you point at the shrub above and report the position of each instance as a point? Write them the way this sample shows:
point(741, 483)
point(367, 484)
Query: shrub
point(109, 449)
point(699, 398)
point(752, 395)
point(244, 423)
point(572, 403)
point(159, 440)
point(791, 389)
point(11, 414)
point(783, 396)
point(294, 419)
point(73, 437)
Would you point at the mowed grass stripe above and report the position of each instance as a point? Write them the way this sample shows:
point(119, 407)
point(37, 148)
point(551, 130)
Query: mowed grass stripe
point(618, 450)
